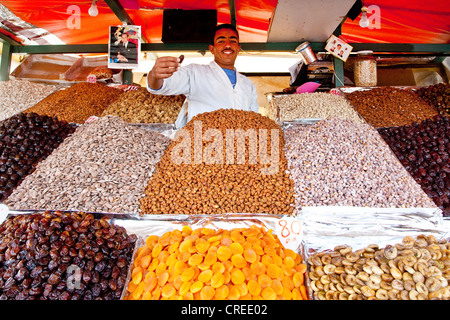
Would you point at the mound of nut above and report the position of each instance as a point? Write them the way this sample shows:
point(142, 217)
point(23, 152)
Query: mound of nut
point(314, 105)
point(416, 269)
point(207, 264)
point(390, 107)
point(197, 186)
point(344, 163)
point(18, 95)
point(140, 106)
point(103, 167)
point(78, 102)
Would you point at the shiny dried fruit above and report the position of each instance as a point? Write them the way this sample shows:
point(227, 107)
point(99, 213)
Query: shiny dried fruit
point(222, 264)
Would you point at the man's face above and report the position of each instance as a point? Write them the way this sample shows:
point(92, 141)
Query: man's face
point(124, 37)
point(226, 48)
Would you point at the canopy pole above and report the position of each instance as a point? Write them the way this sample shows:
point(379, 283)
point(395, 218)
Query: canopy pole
point(5, 61)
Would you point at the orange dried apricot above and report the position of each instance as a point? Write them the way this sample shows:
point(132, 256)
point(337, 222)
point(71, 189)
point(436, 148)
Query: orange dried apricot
point(205, 276)
point(242, 263)
point(238, 260)
point(221, 292)
point(224, 253)
point(237, 276)
point(217, 280)
point(207, 293)
point(250, 255)
point(268, 293)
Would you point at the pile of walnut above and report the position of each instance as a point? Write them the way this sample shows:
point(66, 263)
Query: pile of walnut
point(197, 186)
point(140, 106)
point(416, 269)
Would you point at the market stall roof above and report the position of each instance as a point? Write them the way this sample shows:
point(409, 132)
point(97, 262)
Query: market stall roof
point(56, 22)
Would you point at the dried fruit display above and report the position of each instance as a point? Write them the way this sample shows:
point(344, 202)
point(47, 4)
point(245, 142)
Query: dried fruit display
point(424, 150)
point(390, 107)
point(78, 102)
point(416, 269)
point(62, 256)
point(103, 167)
point(206, 264)
point(206, 183)
point(25, 140)
point(438, 96)
point(140, 106)
point(337, 162)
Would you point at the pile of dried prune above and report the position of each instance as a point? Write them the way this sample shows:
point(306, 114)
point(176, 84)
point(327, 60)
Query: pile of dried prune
point(25, 140)
point(424, 150)
point(63, 256)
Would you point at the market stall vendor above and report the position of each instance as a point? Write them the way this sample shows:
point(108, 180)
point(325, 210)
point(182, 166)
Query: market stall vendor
point(206, 87)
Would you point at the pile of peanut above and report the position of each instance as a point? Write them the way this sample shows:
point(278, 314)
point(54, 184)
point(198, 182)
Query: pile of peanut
point(416, 269)
point(202, 186)
point(140, 106)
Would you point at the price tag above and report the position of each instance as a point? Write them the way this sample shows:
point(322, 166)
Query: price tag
point(290, 232)
point(335, 91)
point(4, 210)
point(91, 78)
point(91, 119)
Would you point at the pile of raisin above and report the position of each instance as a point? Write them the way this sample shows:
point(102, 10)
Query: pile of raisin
point(25, 140)
point(63, 256)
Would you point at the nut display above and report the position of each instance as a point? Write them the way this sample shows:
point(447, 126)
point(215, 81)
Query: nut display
point(314, 105)
point(207, 264)
point(204, 184)
point(19, 95)
point(416, 269)
point(103, 167)
point(78, 102)
point(438, 96)
point(424, 150)
point(390, 107)
point(140, 106)
point(62, 256)
point(338, 162)
point(25, 140)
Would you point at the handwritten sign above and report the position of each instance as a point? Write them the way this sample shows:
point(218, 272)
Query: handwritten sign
point(290, 232)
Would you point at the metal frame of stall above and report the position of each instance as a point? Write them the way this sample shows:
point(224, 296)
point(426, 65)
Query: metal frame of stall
point(11, 46)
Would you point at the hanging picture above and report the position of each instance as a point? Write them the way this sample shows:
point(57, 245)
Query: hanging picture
point(124, 47)
point(338, 47)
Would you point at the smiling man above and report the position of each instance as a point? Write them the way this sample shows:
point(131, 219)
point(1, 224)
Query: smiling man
point(207, 87)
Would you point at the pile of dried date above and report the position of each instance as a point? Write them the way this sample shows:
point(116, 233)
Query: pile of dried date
point(63, 256)
point(416, 269)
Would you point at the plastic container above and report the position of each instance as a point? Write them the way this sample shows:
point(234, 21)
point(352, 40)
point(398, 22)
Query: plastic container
point(365, 69)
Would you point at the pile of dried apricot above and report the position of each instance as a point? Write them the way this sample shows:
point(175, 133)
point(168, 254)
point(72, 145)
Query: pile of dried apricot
point(207, 264)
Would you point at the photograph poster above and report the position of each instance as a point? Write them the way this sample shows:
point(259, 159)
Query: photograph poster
point(338, 48)
point(124, 47)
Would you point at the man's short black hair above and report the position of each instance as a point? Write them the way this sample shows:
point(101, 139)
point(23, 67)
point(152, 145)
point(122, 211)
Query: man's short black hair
point(224, 26)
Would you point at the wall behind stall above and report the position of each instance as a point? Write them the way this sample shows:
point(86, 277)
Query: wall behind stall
point(268, 84)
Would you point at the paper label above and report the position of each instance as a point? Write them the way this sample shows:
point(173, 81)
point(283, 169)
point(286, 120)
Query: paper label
point(91, 78)
point(4, 210)
point(91, 119)
point(290, 232)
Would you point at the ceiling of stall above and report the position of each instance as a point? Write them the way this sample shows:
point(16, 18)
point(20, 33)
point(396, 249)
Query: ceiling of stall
point(258, 21)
